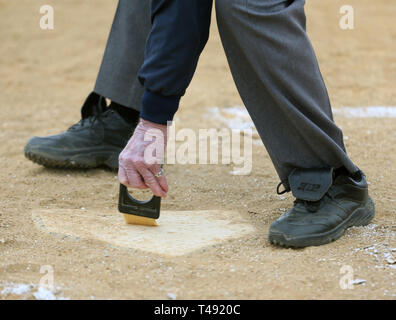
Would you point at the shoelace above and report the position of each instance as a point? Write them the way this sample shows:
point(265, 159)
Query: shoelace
point(311, 206)
point(283, 191)
point(97, 115)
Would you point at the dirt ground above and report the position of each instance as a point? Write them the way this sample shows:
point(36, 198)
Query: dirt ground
point(45, 76)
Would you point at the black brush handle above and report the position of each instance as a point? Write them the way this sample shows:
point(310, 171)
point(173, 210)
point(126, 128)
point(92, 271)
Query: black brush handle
point(128, 204)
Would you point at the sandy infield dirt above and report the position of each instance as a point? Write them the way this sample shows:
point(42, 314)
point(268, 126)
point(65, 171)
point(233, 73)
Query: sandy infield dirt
point(45, 76)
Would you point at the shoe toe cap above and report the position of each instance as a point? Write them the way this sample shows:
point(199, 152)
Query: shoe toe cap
point(36, 142)
point(295, 229)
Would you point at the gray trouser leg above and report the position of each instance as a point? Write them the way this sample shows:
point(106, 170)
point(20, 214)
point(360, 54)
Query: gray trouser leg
point(124, 54)
point(277, 75)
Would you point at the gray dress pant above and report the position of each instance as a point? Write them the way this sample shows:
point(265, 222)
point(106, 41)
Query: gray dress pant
point(273, 65)
point(117, 79)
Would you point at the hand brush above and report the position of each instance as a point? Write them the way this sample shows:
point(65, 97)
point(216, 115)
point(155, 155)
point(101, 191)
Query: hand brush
point(136, 211)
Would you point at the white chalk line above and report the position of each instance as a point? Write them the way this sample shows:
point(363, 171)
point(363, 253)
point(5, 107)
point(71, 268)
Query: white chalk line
point(237, 117)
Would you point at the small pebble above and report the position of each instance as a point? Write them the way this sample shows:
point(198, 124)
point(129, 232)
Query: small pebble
point(171, 296)
point(358, 281)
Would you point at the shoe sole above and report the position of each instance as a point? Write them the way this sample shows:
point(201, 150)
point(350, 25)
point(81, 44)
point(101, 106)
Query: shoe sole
point(360, 217)
point(84, 159)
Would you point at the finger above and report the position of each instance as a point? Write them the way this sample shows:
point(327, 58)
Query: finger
point(163, 183)
point(122, 176)
point(152, 182)
point(162, 179)
point(134, 179)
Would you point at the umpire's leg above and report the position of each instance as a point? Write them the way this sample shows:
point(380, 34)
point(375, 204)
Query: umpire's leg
point(78, 147)
point(278, 78)
point(124, 55)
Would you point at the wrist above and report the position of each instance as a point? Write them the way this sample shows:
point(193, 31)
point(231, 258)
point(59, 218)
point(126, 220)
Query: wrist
point(149, 124)
point(151, 128)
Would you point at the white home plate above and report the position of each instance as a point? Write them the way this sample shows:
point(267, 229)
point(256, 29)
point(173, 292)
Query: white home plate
point(179, 232)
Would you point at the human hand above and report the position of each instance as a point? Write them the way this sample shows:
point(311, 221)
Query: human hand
point(142, 157)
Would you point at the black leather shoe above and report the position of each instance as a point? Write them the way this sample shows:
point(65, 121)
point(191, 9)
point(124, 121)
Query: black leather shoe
point(96, 140)
point(326, 205)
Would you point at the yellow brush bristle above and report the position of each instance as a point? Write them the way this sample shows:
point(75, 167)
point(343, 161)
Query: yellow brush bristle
point(132, 219)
